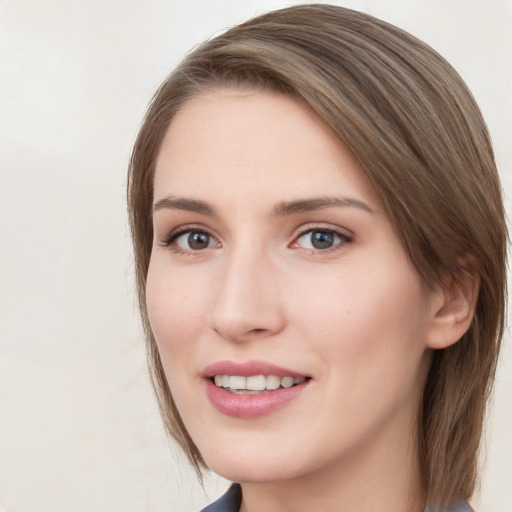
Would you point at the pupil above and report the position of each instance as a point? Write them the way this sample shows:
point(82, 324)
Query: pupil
point(322, 240)
point(198, 240)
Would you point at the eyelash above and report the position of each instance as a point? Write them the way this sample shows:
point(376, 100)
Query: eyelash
point(344, 239)
point(171, 239)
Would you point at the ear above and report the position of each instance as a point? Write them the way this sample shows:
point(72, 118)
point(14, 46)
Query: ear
point(454, 305)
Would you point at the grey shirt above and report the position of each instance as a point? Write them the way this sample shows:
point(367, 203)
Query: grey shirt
point(232, 500)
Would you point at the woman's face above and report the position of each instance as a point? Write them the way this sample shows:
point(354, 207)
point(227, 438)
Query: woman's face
point(274, 265)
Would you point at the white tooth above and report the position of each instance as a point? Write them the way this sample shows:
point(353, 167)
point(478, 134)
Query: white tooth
point(287, 382)
point(218, 380)
point(225, 381)
point(272, 382)
point(299, 380)
point(236, 382)
point(256, 382)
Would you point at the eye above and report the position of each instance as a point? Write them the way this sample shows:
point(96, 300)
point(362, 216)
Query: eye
point(190, 240)
point(321, 239)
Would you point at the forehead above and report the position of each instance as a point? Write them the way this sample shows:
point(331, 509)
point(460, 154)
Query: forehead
point(267, 141)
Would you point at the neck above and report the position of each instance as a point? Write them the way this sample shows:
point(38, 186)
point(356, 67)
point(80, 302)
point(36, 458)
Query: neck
point(382, 476)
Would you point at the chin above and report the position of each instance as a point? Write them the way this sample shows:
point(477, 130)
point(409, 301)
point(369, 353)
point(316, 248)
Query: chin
point(249, 470)
point(249, 475)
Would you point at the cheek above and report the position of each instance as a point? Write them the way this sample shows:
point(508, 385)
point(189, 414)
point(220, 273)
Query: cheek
point(368, 319)
point(369, 335)
point(175, 312)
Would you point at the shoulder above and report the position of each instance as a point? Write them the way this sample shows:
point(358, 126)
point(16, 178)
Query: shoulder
point(229, 502)
point(459, 507)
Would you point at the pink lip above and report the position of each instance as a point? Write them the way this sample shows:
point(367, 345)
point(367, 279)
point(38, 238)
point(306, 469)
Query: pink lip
point(249, 406)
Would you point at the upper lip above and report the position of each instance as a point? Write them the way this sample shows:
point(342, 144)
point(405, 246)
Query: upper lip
point(247, 369)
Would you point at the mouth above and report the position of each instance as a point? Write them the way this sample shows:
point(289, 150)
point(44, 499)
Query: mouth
point(252, 389)
point(255, 384)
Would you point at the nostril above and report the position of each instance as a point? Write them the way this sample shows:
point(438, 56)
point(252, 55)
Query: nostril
point(257, 332)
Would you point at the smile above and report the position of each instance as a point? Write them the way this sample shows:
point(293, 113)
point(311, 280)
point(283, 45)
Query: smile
point(255, 384)
point(252, 389)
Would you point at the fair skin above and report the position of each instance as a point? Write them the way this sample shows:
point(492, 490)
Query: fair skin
point(273, 254)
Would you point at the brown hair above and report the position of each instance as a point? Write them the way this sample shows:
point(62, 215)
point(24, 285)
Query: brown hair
point(416, 130)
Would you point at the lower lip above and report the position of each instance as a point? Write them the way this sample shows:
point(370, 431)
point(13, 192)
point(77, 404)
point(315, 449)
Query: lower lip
point(251, 406)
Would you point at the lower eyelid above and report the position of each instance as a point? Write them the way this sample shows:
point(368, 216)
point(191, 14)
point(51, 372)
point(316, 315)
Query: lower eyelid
point(341, 240)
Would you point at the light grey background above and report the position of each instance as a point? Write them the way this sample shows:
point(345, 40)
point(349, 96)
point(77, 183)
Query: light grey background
point(79, 429)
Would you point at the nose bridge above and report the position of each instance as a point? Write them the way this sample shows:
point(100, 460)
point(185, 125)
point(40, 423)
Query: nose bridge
point(247, 304)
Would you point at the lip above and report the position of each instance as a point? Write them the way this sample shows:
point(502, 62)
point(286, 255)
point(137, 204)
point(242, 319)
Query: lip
point(250, 406)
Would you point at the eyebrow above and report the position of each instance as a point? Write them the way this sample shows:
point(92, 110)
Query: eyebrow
point(185, 204)
point(307, 205)
point(280, 210)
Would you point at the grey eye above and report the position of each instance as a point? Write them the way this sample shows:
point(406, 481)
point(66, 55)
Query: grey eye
point(320, 239)
point(195, 241)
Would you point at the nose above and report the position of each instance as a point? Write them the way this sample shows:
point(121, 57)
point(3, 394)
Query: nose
point(248, 303)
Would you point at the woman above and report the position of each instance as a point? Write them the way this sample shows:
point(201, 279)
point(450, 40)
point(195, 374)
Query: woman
point(320, 248)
